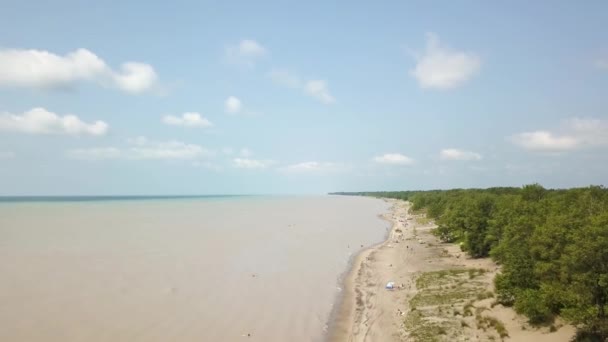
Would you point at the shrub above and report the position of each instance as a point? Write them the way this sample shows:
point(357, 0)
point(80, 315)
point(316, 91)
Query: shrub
point(532, 304)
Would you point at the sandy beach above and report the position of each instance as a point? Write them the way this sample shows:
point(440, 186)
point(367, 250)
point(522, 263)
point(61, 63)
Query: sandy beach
point(440, 293)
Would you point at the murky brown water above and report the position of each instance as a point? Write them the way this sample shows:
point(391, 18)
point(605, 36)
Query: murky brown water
point(178, 270)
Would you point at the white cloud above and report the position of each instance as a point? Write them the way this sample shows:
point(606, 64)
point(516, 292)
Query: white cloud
point(96, 153)
point(544, 141)
point(45, 70)
point(251, 48)
point(456, 154)
point(245, 152)
point(574, 133)
point(7, 155)
point(246, 163)
point(42, 121)
point(312, 167)
point(284, 78)
point(232, 105)
point(141, 148)
point(37, 68)
point(245, 53)
point(189, 119)
point(602, 63)
point(442, 68)
point(319, 90)
point(589, 131)
point(394, 159)
point(135, 77)
point(207, 165)
point(145, 149)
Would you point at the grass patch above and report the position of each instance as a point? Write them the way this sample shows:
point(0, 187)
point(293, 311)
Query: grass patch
point(423, 220)
point(468, 308)
point(438, 278)
point(442, 297)
point(485, 322)
point(423, 330)
point(479, 310)
point(443, 301)
point(485, 295)
point(417, 212)
point(475, 272)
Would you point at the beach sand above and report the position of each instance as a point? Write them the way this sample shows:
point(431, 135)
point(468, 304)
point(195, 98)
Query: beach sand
point(449, 303)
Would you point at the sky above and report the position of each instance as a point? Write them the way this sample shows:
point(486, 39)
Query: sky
point(290, 97)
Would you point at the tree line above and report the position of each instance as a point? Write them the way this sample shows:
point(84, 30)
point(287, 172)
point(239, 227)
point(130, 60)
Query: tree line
point(552, 246)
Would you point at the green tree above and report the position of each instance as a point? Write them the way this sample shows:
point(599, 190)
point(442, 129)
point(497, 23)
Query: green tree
point(586, 260)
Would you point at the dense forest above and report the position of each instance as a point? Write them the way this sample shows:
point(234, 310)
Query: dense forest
point(552, 246)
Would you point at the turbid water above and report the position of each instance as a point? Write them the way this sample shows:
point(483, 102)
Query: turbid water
point(193, 269)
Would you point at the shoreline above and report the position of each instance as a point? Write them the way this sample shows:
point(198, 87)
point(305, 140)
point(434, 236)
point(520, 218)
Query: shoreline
point(341, 326)
point(366, 311)
point(348, 276)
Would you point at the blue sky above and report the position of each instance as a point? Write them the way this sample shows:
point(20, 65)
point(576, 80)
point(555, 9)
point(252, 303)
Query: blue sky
point(300, 97)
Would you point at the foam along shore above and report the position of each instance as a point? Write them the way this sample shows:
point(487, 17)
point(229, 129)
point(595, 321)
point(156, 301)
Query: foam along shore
point(439, 294)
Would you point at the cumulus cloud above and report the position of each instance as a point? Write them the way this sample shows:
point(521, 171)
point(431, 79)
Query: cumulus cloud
point(207, 165)
point(7, 155)
point(544, 141)
point(246, 163)
point(442, 68)
point(573, 134)
point(95, 153)
point(141, 148)
point(312, 167)
point(189, 119)
point(135, 77)
point(245, 152)
point(456, 154)
point(45, 70)
point(394, 159)
point(233, 105)
point(251, 48)
point(227, 150)
point(319, 90)
point(284, 78)
point(602, 64)
point(42, 121)
point(247, 52)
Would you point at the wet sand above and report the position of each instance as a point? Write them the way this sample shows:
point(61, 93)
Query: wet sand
point(369, 312)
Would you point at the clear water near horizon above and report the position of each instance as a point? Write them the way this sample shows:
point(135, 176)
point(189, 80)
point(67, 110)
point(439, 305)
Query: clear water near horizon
point(106, 198)
point(188, 270)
